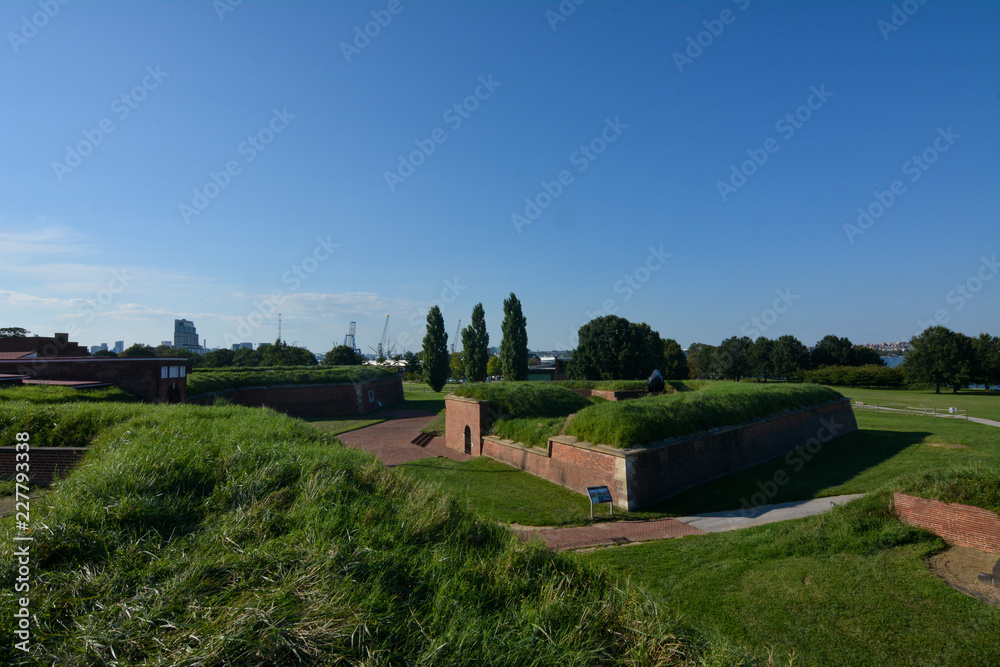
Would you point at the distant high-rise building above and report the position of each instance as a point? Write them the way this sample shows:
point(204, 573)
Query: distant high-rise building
point(242, 346)
point(119, 346)
point(185, 335)
point(167, 343)
point(94, 348)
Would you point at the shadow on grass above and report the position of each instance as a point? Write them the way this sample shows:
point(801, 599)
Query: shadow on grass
point(798, 475)
point(423, 463)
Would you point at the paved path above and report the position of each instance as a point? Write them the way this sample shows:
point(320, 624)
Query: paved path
point(390, 440)
point(719, 522)
point(622, 532)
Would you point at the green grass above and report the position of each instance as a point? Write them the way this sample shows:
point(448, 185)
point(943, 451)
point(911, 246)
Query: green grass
point(979, 403)
point(531, 431)
point(205, 382)
point(845, 588)
point(525, 399)
point(647, 420)
point(976, 486)
point(47, 394)
point(230, 535)
point(889, 451)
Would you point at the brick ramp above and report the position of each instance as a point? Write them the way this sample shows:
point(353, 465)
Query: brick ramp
point(391, 441)
point(612, 532)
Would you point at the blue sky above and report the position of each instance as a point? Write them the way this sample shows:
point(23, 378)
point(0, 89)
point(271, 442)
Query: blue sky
point(226, 163)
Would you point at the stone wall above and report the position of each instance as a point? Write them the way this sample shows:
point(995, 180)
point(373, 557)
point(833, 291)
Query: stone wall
point(315, 400)
point(964, 525)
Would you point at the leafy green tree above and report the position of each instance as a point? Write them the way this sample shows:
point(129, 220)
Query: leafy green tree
point(171, 351)
point(987, 358)
point(105, 353)
point(456, 366)
point(675, 363)
point(731, 358)
point(246, 358)
point(940, 357)
point(412, 363)
point(434, 356)
point(280, 353)
point(493, 367)
point(217, 359)
point(343, 355)
point(514, 341)
point(13, 332)
point(865, 356)
point(699, 360)
point(832, 351)
point(790, 357)
point(655, 344)
point(612, 348)
point(138, 351)
point(476, 345)
point(760, 358)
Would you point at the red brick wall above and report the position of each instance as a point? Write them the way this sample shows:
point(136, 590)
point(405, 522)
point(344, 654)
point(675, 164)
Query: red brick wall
point(138, 376)
point(319, 400)
point(659, 472)
point(641, 477)
point(45, 463)
point(462, 412)
point(570, 466)
point(964, 525)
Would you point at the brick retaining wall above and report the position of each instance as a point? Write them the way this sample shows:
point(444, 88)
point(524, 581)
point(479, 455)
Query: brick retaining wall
point(45, 463)
point(964, 525)
point(315, 400)
point(639, 477)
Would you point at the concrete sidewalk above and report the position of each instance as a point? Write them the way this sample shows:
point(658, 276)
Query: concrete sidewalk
point(719, 522)
point(623, 532)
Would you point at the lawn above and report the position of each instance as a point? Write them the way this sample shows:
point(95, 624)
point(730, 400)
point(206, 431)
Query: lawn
point(888, 447)
point(979, 403)
point(846, 588)
point(338, 425)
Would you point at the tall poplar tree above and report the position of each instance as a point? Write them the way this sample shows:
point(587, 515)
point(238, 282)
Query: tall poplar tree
point(434, 357)
point(476, 346)
point(514, 345)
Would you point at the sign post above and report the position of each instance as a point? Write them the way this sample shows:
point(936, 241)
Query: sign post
point(600, 494)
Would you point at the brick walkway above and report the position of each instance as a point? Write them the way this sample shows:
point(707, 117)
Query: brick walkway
point(390, 440)
point(612, 532)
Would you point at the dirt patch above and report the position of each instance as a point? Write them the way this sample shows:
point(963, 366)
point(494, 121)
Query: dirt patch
point(947, 445)
point(959, 567)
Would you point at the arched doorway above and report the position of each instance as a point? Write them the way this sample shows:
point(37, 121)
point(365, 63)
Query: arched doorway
point(468, 440)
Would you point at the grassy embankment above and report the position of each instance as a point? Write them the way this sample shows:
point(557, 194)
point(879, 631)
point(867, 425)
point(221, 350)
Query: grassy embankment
point(209, 381)
point(231, 535)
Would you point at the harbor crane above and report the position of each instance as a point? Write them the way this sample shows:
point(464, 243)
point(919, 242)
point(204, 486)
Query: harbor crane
point(380, 352)
point(349, 338)
point(454, 340)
